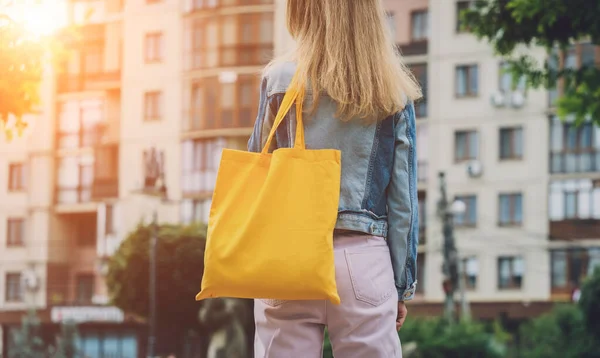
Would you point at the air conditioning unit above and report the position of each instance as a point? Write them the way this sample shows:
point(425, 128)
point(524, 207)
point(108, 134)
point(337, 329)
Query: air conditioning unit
point(474, 169)
point(517, 99)
point(498, 99)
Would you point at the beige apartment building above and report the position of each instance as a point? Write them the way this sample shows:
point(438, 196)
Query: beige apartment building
point(151, 88)
point(156, 88)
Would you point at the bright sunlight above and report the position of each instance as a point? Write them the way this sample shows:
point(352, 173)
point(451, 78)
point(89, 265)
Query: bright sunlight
point(40, 17)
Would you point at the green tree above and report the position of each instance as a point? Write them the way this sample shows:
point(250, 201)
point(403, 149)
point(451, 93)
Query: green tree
point(27, 342)
point(559, 334)
point(179, 268)
point(590, 304)
point(66, 346)
point(551, 24)
point(21, 67)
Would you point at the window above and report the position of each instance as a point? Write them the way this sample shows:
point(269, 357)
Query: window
point(217, 105)
point(575, 57)
point(511, 143)
point(152, 106)
point(154, 47)
point(17, 179)
point(511, 209)
point(510, 272)
point(420, 73)
point(420, 273)
point(422, 215)
point(466, 145)
point(570, 267)
point(571, 204)
point(85, 288)
point(574, 199)
point(505, 83)
point(80, 123)
point(109, 220)
point(92, 60)
point(574, 149)
point(460, 7)
point(75, 179)
point(200, 164)
point(467, 81)
point(231, 40)
point(14, 287)
point(15, 232)
point(195, 211)
point(469, 217)
point(419, 23)
point(85, 230)
point(391, 21)
point(470, 269)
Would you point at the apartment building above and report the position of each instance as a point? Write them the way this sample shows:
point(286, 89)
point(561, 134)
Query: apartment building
point(150, 93)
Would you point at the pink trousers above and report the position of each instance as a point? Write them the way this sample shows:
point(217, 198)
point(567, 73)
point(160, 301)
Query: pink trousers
point(362, 326)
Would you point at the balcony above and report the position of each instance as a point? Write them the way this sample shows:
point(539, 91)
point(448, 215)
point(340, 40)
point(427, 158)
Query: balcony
point(73, 195)
point(414, 48)
point(575, 162)
point(106, 172)
point(230, 56)
point(575, 229)
point(89, 82)
point(206, 5)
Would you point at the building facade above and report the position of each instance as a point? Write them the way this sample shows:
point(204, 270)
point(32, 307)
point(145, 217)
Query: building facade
point(152, 90)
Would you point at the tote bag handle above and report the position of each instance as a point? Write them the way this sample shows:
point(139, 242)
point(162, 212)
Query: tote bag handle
point(294, 94)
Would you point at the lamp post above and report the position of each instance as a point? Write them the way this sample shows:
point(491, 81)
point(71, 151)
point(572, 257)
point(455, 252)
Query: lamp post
point(154, 185)
point(450, 268)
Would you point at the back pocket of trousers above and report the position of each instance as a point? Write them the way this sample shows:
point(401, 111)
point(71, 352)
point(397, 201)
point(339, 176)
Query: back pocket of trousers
point(371, 274)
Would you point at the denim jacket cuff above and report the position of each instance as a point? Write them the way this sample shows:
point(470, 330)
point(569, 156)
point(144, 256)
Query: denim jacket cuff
point(407, 294)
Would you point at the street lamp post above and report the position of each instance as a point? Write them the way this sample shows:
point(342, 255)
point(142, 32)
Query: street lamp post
point(154, 185)
point(452, 281)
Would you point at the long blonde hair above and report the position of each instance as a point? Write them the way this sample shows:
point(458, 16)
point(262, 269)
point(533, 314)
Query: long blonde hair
point(345, 50)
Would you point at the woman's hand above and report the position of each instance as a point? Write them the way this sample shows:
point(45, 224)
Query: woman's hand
point(402, 312)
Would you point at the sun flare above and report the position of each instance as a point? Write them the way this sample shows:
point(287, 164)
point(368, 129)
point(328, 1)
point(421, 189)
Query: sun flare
point(40, 17)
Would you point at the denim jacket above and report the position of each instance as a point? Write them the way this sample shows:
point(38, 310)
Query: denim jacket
point(379, 169)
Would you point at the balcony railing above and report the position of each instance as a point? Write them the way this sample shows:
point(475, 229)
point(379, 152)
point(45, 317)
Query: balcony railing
point(414, 48)
point(105, 188)
point(91, 81)
point(200, 5)
point(73, 195)
point(225, 56)
point(577, 162)
point(575, 229)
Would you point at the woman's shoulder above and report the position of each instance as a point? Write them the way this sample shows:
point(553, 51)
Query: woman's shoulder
point(278, 76)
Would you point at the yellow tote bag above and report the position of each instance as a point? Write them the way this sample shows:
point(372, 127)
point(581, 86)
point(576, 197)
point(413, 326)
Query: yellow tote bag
point(270, 229)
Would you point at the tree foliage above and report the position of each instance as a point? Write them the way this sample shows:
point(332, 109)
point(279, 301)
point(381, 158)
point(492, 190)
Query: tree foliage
point(21, 67)
point(179, 268)
point(27, 341)
point(66, 345)
point(554, 25)
point(558, 334)
point(590, 304)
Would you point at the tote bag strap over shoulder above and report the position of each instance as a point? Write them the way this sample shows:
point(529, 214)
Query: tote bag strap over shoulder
point(293, 95)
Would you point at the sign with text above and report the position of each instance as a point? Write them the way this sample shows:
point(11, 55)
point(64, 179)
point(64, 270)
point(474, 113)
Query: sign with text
point(83, 314)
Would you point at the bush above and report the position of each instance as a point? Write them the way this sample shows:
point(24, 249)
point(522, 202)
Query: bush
point(590, 303)
point(558, 334)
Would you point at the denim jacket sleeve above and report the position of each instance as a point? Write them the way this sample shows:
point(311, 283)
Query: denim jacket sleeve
point(267, 110)
point(402, 203)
